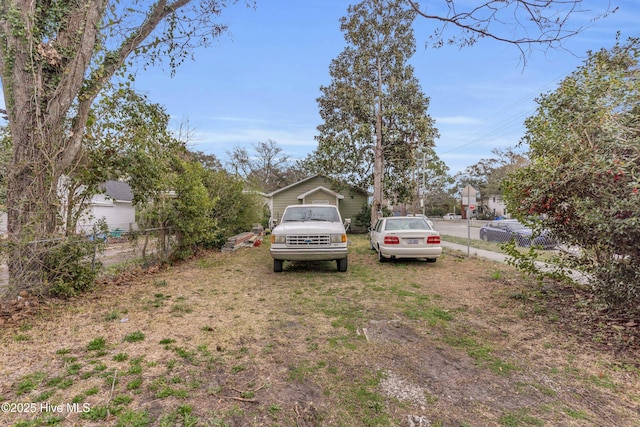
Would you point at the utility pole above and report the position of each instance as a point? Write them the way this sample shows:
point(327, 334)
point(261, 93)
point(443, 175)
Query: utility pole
point(424, 182)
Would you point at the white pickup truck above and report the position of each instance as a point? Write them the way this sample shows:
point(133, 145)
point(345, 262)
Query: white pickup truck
point(309, 233)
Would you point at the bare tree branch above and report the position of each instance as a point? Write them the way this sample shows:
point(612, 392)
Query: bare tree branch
point(521, 23)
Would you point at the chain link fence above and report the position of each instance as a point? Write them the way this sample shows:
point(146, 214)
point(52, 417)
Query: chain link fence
point(145, 244)
point(114, 248)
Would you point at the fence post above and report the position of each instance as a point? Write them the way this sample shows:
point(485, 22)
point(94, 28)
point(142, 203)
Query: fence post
point(168, 242)
point(93, 259)
point(146, 241)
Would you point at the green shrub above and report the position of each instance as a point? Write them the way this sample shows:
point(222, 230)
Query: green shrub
point(69, 266)
point(583, 183)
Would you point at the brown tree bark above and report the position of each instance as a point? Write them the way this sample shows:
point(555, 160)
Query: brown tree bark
point(49, 83)
point(378, 154)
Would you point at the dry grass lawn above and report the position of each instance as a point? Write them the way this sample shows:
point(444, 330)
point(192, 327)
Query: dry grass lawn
point(221, 340)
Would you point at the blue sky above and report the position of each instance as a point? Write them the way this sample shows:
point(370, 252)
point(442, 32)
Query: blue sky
point(261, 81)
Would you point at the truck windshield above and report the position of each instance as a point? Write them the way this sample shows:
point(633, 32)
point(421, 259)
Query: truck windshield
point(315, 213)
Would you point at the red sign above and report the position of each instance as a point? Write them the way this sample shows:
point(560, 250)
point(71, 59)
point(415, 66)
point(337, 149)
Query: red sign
point(472, 206)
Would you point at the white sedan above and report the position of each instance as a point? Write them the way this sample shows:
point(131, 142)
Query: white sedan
point(405, 237)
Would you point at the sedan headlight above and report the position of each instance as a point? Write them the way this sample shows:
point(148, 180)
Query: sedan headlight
point(278, 238)
point(339, 238)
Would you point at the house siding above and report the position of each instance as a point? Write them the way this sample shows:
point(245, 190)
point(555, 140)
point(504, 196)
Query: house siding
point(118, 216)
point(352, 205)
point(495, 206)
point(114, 206)
point(349, 206)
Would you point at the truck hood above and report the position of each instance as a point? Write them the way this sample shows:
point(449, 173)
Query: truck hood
point(309, 227)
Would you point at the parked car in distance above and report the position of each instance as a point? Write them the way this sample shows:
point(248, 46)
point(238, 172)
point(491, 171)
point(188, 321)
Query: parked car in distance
point(451, 216)
point(426, 218)
point(312, 232)
point(97, 236)
point(404, 237)
point(504, 230)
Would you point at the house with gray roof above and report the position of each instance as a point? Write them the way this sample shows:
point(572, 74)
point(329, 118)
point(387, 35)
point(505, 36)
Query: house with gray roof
point(114, 205)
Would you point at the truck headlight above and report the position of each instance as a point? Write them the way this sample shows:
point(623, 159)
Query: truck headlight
point(339, 238)
point(278, 238)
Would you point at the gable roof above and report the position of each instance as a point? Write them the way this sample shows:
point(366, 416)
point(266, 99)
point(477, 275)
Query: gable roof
point(321, 188)
point(308, 179)
point(119, 191)
point(290, 185)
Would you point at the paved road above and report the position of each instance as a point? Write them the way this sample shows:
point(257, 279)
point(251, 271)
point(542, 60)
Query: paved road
point(459, 228)
point(464, 229)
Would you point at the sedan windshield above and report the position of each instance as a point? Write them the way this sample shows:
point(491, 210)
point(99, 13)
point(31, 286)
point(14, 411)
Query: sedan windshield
point(407, 224)
point(315, 213)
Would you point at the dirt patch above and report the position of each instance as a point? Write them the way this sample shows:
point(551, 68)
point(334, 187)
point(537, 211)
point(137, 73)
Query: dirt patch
point(222, 340)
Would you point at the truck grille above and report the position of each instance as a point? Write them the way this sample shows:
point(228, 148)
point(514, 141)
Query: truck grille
point(309, 240)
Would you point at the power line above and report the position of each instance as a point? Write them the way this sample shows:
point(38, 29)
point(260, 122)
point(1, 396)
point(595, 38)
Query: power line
point(510, 123)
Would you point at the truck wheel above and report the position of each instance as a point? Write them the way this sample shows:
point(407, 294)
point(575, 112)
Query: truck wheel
point(342, 264)
point(277, 265)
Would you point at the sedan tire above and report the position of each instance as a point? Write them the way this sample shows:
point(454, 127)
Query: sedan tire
point(381, 257)
point(277, 265)
point(342, 264)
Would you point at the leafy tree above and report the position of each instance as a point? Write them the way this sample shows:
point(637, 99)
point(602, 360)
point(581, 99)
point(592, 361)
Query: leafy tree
point(235, 210)
point(203, 207)
point(55, 59)
point(584, 176)
point(190, 211)
point(374, 112)
point(435, 184)
point(127, 138)
point(486, 176)
point(209, 161)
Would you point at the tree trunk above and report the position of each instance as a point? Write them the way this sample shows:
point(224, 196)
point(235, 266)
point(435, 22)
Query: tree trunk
point(54, 61)
point(41, 84)
point(377, 171)
point(32, 208)
point(378, 154)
